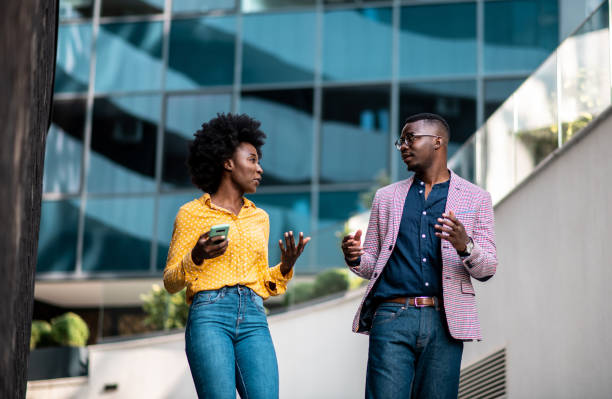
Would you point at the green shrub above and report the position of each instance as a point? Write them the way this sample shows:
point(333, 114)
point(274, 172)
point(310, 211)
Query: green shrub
point(298, 293)
point(165, 311)
point(69, 329)
point(41, 334)
point(330, 281)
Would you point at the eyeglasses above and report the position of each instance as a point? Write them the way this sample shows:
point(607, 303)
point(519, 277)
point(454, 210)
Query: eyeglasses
point(411, 138)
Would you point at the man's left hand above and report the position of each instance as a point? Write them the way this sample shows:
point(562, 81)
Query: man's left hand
point(452, 230)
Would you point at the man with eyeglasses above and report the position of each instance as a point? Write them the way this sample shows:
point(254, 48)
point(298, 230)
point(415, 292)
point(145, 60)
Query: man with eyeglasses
point(427, 237)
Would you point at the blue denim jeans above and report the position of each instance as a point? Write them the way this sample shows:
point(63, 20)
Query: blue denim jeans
point(412, 354)
point(229, 347)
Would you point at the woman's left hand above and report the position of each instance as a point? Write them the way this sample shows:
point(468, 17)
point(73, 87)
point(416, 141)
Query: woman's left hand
point(290, 252)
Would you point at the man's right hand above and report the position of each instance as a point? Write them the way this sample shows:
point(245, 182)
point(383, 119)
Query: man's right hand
point(351, 246)
point(208, 248)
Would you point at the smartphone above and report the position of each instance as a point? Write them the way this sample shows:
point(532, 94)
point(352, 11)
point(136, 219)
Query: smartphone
point(219, 230)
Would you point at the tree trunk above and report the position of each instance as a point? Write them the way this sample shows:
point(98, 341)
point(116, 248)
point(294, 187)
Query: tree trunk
point(28, 36)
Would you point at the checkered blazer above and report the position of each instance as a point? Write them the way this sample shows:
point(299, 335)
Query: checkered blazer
point(472, 206)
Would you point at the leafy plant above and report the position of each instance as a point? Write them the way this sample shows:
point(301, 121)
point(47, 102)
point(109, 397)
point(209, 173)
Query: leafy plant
point(330, 281)
point(165, 311)
point(41, 334)
point(69, 329)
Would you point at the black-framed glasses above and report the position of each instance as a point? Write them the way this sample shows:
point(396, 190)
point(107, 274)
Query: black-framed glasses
point(411, 138)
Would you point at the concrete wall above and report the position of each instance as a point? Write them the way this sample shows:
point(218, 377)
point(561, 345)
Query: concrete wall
point(549, 303)
point(318, 356)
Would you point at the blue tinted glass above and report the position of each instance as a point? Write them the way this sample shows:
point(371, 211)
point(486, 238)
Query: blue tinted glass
point(112, 8)
point(268, 56)
point(64, 147)
point(118, 234)
point(497, 91)
point(201, 52)
point(184, 116)
point(129, 56)
point(123, 143)
point(73, 54)
point(335, 208)
point(59, 223)
point(69, 9)
point(168, 208)
point(188, 6)
point(438, 40)
point(288, 212)
point(355, 142)
point(357, 44)
point(519, 34)
point(286, 118)
point(260, 5)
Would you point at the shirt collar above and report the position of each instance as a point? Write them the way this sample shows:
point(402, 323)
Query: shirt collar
point(206, 200)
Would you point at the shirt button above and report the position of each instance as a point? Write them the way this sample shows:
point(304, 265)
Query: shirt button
point(424, 259)
point(422, 183)
point(423, 235)
point(424, 213)
point(420, 191)
point(426, 284)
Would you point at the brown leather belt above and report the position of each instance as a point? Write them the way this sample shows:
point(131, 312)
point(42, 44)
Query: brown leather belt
point(419, 301)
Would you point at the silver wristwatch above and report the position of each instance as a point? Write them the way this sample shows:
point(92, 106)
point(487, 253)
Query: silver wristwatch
point(469, 246)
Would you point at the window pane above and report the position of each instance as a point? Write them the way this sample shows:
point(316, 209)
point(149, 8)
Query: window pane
point(454, 101)
point(286, 118)
point(112, 8)
point(123, 143)
point(497, 91)
point(260, 5)
point(168, 208)
point(272, 57)
point(64, 147)
point(73, 54)
point(438, 40)
point(69, 9)
point(288, 212)
point(59, 223)
point(334, 210)
point(118, 234)
point(184, 116)
point(357, 44)
point(499, 151)
point(201, 52)
point(129, 56)
point(519, 34)
point(354, 133)
point(193, 6)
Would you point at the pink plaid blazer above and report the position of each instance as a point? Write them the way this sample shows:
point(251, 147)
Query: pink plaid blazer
point(472, 206)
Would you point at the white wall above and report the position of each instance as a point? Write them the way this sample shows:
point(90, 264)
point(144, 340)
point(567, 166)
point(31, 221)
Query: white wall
point(549, 301)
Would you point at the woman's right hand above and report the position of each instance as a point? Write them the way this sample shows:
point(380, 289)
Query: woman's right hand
point(208, 248)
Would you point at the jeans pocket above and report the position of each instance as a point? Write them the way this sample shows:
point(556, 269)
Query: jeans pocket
point(257, 301)
point(386, 313)
point(203, 298)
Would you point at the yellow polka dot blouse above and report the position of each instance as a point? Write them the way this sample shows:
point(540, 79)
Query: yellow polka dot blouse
point(245, 261)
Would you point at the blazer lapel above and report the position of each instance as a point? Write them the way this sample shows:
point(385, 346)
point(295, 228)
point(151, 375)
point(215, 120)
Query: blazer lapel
point(399, 198)
point(454, 193)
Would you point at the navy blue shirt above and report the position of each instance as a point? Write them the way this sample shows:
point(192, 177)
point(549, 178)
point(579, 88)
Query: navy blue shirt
point(415, 265)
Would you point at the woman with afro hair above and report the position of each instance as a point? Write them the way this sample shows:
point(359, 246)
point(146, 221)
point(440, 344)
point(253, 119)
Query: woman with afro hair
point(227, 340)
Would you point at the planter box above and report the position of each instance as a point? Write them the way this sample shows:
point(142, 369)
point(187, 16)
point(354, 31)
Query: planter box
point(57, 362)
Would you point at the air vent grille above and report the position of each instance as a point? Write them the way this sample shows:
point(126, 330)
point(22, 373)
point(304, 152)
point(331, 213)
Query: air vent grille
point(485, 379)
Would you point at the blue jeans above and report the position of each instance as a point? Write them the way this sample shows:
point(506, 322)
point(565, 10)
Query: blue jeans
point(412, 354)
point(229, 347)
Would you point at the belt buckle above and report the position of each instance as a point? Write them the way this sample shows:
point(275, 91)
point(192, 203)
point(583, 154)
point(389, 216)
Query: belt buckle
point(416, 301)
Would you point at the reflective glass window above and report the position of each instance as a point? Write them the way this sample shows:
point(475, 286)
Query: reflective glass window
point(59, 223)
point(64, 147)
point(118, 234)
point(357, 44)
point(201, 52)
point(129, 56)
point(497, 91)
point(438, 40)
point(168, 208)
point(261, 5)
point(73, 54)
point(184, 116)
point(268, 56)
point(286, 118)
point(69, 9)
point(123, 144)
point(288, 212)
point(113, 8)
point(334, 210)
point(194, 6)
point(455, 101)
point(354, 133)
point(519, 34)
point(332, 2)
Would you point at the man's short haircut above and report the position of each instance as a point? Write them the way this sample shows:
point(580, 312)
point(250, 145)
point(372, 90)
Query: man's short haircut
point(430, 118)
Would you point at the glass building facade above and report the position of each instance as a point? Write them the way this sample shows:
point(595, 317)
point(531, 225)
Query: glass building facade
point(330, 80)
